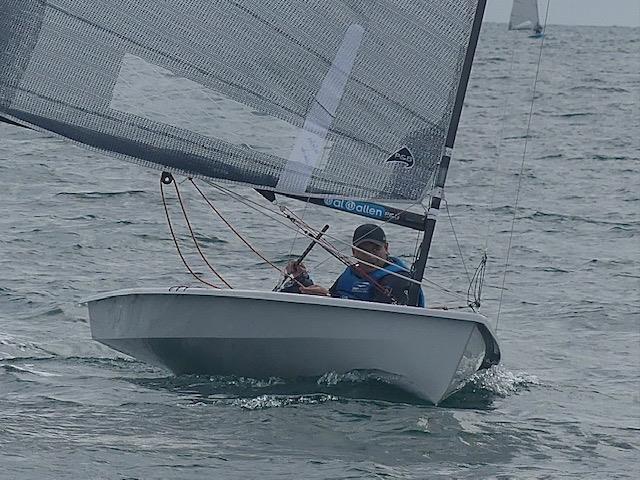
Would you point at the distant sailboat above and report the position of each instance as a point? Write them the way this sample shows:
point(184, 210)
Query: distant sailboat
point(524, 16)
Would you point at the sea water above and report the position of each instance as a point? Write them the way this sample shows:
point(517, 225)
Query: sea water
point(564, 403)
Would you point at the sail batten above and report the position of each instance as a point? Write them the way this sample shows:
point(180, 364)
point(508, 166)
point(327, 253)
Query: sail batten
point(315, 98)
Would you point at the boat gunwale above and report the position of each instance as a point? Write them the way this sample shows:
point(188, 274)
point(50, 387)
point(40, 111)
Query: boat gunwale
point(298, 299)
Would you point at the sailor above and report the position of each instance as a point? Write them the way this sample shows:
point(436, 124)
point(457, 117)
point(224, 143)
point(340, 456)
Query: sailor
point(380, 279)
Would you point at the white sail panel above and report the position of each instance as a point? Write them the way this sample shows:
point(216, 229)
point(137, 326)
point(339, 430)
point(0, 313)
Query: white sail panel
point(328, 98)
point(310, 143)
point(524, 15)
point(182, 103)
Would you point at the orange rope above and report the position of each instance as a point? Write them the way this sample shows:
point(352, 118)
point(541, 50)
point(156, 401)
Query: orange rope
point(184, 212)
point(175, 241)
point(234, 230)
point(239, 235)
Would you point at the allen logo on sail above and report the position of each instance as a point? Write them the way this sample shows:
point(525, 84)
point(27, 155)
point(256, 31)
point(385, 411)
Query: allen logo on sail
point(403, 156)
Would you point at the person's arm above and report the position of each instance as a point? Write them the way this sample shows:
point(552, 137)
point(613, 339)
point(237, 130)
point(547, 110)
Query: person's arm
point(301, 282)
point(315, 290)
point(300, 278)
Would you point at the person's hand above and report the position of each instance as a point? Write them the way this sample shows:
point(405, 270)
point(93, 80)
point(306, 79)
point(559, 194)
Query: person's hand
point(295, 269)
point(314, 290)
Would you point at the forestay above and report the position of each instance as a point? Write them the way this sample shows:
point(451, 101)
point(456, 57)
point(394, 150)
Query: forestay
point(323, 98)
point(524, 15)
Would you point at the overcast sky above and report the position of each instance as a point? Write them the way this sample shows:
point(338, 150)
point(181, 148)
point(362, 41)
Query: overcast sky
point(575, 12)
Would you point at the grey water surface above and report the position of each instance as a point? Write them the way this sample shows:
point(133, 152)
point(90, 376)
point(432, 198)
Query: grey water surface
point(565, 402)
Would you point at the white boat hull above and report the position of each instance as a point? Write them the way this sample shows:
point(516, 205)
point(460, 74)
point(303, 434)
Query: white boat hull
point(259, 334)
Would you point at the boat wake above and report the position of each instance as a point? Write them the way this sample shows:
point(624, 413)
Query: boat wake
point(256, 393)
point(502, 382)
point(274, 401)
point(357, 385)
point(356, 376)
point(28, 369)
point(270, 392)
point(485, 386)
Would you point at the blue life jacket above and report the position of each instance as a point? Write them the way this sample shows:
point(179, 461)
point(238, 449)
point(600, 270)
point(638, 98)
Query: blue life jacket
point(350, 285)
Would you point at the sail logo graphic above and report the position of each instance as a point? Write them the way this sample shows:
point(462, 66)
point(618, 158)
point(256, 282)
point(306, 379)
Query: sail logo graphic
point(403, 156)
point(372, 210)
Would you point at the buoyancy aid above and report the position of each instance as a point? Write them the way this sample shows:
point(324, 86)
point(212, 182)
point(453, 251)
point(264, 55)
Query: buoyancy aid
point(351, 285)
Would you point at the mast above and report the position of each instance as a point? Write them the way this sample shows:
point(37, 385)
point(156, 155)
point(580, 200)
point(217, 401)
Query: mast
point(436, 199)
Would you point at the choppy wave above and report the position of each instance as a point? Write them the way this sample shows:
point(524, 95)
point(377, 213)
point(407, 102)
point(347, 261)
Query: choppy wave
point(273, 401)
point(593, 88)
point(11, 347)
point(26, 369)
point(95, 195)
point(500, 381)
point(575, 114)
point(366, 385)
point(355, 376)
point(66, 396)
point(611, 157)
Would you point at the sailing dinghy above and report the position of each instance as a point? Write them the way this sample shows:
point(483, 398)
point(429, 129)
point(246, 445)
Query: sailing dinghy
point(343, 104)
point(524, 16)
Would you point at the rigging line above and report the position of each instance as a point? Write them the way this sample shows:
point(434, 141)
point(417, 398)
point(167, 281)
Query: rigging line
point(293, 244)
point(499, 148)
point(238, 234)
point(355, 266)
point(424, 282)
point(295, 237)
point(312, 232)
point(524, 155)
point(266, 211)
point(334, 251)
point(298, 261)
point(259, 206)
point(175, 241)
point(340, 255)
point(411, 280)
point(186, 218)
point(273, 214)
point(385, 222)
point(476, 284)
point(446, 204)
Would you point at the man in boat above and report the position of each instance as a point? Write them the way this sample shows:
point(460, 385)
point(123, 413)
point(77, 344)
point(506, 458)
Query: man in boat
point(377, 277)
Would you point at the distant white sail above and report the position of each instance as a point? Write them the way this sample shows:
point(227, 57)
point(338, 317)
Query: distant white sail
point(313, 97)
point(524, 15)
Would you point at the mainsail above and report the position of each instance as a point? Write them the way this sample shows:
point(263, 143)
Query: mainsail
point(524, 15)
point(319, 98)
